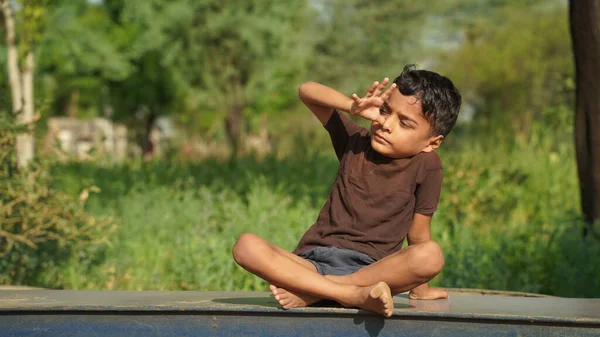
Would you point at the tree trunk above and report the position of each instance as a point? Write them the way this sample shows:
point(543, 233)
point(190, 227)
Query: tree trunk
point(585, 33)
point(147, 143)
point(233, 126)
point(73, 105)
point(234, 121)
point(12, 58)
point(24, 146)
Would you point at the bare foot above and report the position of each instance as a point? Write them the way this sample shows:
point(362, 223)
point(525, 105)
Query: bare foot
point(289, 300)
point(431, 294)
point(377, 298)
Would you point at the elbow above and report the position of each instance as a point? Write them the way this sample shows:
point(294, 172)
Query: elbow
point(414, 240)
point(304, 89)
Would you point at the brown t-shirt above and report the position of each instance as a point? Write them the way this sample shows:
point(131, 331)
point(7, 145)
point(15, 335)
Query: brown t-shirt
point(373, 200)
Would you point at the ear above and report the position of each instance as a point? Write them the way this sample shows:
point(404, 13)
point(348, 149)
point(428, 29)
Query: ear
point(434, 143)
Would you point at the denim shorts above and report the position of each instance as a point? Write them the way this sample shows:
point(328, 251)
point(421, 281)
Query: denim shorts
point(336, 261)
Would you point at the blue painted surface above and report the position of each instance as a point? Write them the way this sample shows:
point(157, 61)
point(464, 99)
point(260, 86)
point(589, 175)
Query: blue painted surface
point(188, 313)
point(266, 325)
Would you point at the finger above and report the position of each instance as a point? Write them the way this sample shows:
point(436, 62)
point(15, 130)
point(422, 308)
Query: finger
point(381, 86)
point(389, 91)
point(371, 89)
point(380, 120)
point(356, 99)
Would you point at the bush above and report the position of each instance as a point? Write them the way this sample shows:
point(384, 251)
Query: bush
point(40, 228)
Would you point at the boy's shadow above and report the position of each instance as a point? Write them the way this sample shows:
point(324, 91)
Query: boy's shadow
point(373, 324)
point(253, 301)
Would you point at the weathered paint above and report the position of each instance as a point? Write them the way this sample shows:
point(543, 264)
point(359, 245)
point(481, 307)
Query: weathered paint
point(189, 313)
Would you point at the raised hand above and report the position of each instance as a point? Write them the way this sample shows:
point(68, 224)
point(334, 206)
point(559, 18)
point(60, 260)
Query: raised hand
point(368, 106)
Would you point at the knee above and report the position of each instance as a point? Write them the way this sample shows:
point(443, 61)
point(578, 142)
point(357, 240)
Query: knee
point(428, 259)
point(245, 247)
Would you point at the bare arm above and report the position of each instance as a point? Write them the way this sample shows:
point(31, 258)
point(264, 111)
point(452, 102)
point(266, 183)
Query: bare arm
point(322, 100)
point(420, 231)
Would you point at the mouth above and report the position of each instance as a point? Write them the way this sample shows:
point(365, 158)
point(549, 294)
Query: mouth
point(379, 139)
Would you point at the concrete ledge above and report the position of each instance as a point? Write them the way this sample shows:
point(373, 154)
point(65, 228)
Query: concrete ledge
point(183, 313)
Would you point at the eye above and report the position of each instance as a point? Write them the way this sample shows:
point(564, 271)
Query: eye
point(405, 125)
point(382, 111)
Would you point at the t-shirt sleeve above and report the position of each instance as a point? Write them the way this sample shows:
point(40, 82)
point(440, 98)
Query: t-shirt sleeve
point(427, 193)
point(341, 128)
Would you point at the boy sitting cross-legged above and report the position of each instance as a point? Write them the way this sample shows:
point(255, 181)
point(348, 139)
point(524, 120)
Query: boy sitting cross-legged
point(386, 189)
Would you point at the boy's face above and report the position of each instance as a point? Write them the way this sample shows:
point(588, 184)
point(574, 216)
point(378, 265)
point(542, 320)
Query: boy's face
point(405, 132)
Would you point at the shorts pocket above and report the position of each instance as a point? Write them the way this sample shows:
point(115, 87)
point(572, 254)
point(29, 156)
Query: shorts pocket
point(361, 258)
point(323, 253)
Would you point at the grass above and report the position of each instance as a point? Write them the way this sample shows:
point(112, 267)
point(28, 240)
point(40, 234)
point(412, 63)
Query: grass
point(508, 219)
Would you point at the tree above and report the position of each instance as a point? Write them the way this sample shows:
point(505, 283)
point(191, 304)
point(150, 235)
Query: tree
point(21, 79)
point(80, 56)
point(149, 34)
point(359, 41)
point(512, 70)
point(243, 54)
point(585, 32)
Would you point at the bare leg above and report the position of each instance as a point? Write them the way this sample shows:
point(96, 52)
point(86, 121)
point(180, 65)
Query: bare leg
point(402, 271)
point(405, 270)
point(258, 257)
point(288, 299)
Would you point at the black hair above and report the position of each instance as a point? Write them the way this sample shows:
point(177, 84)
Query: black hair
point(440, 99)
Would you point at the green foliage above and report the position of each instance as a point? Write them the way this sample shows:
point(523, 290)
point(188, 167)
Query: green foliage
point(359, 42)
point(79, 55)
point(510, 219)
point(39, 227)
point(245, 55)
point(82, 45)
point(149, 36)
point(32, 21)
point(509, 75)
point(186, 244)
point(198, 60)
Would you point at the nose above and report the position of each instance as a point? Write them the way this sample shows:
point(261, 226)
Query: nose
point(386, 126)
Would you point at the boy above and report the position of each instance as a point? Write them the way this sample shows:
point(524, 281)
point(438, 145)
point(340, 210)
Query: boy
point(386, 190)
